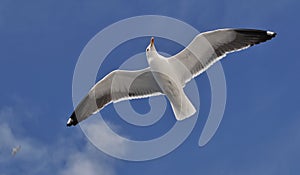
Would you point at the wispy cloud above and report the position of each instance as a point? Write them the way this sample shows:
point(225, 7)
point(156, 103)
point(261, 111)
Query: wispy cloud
point(102, 137)
point(84, 163)
point(68, 155)
point(31, 152)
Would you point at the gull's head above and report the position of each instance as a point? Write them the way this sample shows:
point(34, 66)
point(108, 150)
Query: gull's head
point(150, 50)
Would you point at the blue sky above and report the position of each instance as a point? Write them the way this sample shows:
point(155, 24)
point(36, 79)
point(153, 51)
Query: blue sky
point(41, 41)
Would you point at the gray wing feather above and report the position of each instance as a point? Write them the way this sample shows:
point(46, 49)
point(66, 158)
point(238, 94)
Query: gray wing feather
point(209, 47)
point(116, 86)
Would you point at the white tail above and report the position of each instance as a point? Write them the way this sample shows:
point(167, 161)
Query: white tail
point(182, 106)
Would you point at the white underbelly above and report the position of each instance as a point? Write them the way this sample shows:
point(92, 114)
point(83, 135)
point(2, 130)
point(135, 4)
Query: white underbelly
point(164, 72)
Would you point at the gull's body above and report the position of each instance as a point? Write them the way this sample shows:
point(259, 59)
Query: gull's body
point(168, 79)
point(168, 76)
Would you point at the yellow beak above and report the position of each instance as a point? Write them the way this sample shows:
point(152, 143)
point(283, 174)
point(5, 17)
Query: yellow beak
point(152, 42)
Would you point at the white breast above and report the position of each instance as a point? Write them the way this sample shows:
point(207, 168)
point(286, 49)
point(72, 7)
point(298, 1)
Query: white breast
point(161, 65)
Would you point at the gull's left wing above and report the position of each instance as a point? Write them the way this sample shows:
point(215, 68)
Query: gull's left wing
point(209, 47)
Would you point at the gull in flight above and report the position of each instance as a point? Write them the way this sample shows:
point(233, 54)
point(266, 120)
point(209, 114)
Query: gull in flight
point(15, 150)
point(168, 76)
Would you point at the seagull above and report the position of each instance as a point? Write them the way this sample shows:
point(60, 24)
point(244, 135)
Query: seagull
point(15, 150)
point(167, 76)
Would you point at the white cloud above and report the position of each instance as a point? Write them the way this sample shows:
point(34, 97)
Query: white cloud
point(83, 163)
point(68, 155)
point(102, 137)
point(30, 153)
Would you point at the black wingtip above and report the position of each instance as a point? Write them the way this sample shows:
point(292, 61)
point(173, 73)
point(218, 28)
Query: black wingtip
point(257, 32)
point(255, 36)
point(72, 121)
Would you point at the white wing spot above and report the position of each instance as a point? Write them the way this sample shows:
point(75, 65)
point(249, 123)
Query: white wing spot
point(270, 33)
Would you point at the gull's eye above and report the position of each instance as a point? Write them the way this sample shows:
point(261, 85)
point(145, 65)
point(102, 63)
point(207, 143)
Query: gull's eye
point(147, 49)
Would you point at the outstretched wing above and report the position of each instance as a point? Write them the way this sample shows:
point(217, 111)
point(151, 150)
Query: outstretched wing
point(209, 47)
point(116, 86)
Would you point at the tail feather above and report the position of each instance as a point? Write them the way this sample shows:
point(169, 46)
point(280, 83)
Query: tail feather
point(182, 107)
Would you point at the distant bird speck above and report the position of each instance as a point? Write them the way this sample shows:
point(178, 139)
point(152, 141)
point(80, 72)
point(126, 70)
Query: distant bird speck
point(15, 150)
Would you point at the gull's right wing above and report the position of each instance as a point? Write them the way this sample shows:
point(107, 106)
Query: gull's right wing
point(116, 86)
